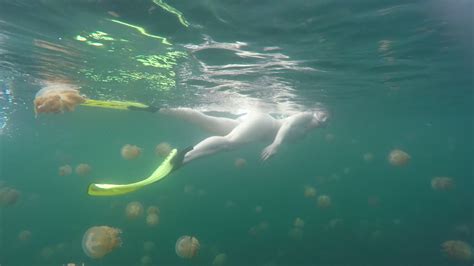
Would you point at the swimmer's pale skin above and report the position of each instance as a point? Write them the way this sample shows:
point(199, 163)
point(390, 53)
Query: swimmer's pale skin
point(230, 133)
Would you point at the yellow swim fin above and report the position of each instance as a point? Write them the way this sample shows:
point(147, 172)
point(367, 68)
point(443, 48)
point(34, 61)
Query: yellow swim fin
point(161, 172)
point(119, 105)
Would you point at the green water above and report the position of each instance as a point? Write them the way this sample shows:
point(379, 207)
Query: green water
point(392, 74)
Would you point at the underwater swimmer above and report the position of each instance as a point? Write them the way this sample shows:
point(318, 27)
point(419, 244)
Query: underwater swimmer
point(227, 134)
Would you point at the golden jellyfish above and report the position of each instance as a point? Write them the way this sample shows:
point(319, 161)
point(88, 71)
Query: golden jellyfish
point(398, 157)
point(163, 149)
point(457, 250)
point(83, 169)
point(134, 209)
point(130, 152)
point(57, 99)
point(240, 163)
point(24, 236)
point(324, 201)
point(442, 183)
point(309, 192)
point(152, 219)
point(368, 157)
point(187, 247)
point(153, 209)
point(298, 222)
point(8, 196)
point(99, 241)
point(65, 170)
point(219, 259)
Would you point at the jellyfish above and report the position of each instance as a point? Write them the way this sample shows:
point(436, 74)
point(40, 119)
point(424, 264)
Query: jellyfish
point(324, 201)
point(130, 152)
point(24, 236)
point(240, 163)
point(57, 99)
point(163, 149)
point(295, 233)
point(188, 189)
point(8, 196)
point(368, 157)
point(398, 157)
point(298, 222)
point(457, 250)
point(153, 209)
point(258, 209)
point(47, 252)
point(263, 226)
point(145, 260)
point(134, 209)
point(83, 169)
point(187, 247)
point(309, 192)
point(329, 137)
point(442, 183)
point(219, 260)
point(152, 219)
point(65, 170)
point(99, 241)
point(149, 246)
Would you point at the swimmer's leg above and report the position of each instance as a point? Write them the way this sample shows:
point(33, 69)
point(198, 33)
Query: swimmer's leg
point(215, 125)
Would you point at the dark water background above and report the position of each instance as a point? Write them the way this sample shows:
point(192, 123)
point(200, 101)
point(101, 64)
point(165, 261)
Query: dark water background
point(393, 74)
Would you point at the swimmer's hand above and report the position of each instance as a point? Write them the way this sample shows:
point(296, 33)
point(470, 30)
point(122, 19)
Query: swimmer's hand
point(269, 151)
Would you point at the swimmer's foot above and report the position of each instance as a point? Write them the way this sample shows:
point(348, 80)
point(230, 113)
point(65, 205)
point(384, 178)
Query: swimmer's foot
point(177, 160)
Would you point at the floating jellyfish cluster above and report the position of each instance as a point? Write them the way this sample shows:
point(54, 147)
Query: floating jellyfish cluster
point(57, 99)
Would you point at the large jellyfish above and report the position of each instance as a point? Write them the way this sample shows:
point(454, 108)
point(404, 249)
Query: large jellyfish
point(457, 250)
point(163, 149)
point(398, 157)
point(98, 241)
point(83, 169)
point(324, 201)
point(57, 99)
point(442, 183)
point(65, 170)
point(130, 152)
point(187, 247)
point(152, 219)
point(134, 209)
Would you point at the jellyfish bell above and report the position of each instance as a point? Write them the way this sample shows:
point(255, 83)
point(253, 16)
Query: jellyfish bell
point(149, 246)
point(65, 170)
point(240, 163)
point(24, 236)
point(309, 192)
point(219, 259)
point(153, 209)
point(163, 149)
point(133, 210)
point(47, 252)
point(145, 260)
point(187, 247)
point(99, 241)
point(324, 201)
point(368, 157)
point(83, 169)
point(298, 222)
point(457, 250)
point(152, 219)
point(57, 99)
point(8, 196)
point(442, 183)
point(130, 152)
point(398, 157)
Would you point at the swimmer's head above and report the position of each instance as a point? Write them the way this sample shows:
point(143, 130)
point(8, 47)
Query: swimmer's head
point(319, 119)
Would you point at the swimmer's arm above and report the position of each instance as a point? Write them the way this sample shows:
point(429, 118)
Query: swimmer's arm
point(272, 149)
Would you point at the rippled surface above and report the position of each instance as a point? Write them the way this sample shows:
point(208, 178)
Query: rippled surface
point(393, 74)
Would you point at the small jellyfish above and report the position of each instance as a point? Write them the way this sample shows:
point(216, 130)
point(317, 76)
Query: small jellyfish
point(145, 260)
point(83, 169)
point(134, 209)
point(295, 233)
point(65, 170)
point(324, 201)
point(130, 152)
point(298, 222)
point(309, 192)
point(335, 223)
point(163, 149)
point(240, 163)
point(457, 250)
point(8, 196)
point(263, 226)
point(398, 157)
point(152, 219)
point(47, 252)
point(329, 137)
point(24, 236)
point(442, 183)
point(258, 209)
point(219, 260)
point(98, 241)
point(149, 246)
point(187, 247)
point(153, 209)
point(57, 99)
point(368, 157)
